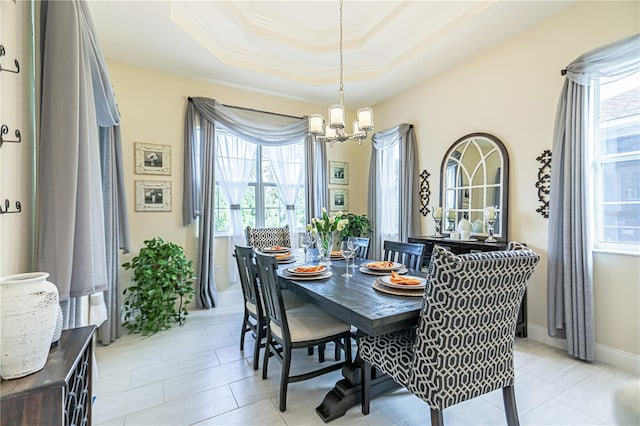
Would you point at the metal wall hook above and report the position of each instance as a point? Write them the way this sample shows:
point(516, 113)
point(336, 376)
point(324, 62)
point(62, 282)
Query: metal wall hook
point(7, 204)
point(15, 61)
point(5, 130)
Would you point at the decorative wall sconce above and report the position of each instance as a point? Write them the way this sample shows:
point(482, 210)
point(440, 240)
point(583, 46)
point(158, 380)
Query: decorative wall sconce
point(425, 193)
point(544, 182)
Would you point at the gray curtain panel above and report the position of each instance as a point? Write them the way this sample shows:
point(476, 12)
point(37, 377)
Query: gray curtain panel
point(199, 170)
point(79, 202)
point(569, 276)
point(317, 195)
point(409, 222)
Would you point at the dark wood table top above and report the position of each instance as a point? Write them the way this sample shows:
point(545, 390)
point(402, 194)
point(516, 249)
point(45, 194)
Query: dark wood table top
point(353, 300)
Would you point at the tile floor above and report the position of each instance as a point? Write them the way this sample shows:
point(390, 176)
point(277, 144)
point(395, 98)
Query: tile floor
point(196, 374)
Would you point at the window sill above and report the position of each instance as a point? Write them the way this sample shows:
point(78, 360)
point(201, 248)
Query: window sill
point(620, 252)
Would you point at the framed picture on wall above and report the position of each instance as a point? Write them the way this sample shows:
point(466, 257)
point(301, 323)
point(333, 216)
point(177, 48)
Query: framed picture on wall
point(152, 159)
point(153, 196)
point(339, 172)
point(338, 199)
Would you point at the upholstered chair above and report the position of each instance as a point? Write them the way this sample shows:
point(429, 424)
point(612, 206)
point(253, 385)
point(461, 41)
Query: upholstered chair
point(463, 345)
point(290, 329)
point(409, 254)
point(268, 237)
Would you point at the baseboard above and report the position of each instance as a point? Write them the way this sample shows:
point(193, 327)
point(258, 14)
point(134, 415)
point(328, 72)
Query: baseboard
point(615, 357)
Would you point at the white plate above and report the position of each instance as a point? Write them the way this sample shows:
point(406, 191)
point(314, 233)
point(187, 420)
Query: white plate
point(287, 260)
point(275, 250)
point(366, 270)
point(292, 270)
point(324, 275)
point(386, 280)
point(397, 292)
point(394, 267)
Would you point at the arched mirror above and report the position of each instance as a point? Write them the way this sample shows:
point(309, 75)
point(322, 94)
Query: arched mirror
point(475, 175)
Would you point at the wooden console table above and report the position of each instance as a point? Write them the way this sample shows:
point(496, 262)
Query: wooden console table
point(471, 246)
point(60, 393)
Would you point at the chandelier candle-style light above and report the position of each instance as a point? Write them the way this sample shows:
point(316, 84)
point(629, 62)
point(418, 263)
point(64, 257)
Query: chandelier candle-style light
point(334, 131)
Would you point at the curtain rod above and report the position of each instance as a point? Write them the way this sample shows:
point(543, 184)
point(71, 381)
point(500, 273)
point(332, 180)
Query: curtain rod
point(257, 110)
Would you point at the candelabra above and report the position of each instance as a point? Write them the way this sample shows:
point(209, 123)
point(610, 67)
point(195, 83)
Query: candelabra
point(490, 238)
point(437, 222)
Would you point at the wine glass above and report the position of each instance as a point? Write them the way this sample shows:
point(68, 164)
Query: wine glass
point(354, 244)
point(346, 250)
point(305, 243)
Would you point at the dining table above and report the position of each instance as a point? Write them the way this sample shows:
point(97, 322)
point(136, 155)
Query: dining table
point(370, 311)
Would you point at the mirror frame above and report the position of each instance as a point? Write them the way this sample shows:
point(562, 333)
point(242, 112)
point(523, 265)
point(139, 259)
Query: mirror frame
point(500, 233)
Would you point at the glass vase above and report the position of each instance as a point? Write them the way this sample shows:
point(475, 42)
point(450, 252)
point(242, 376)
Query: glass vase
point(324, 244)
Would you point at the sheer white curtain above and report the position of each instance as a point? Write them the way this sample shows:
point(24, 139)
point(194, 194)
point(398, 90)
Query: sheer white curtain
point(393, 182)
point(235, 158)
point(388, 191)
point(287, 163)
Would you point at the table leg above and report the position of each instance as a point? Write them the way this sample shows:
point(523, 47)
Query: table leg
point(347, 392)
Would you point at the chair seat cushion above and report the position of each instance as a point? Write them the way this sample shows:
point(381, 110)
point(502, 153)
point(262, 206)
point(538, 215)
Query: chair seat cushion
point(311, 323)
point(390, 353)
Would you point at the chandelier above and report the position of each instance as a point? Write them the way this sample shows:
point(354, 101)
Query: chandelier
point(334, 131)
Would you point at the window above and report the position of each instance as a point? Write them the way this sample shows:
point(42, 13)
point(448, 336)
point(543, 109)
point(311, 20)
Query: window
point(262, 205)
point(389, 165)
point(617, 165)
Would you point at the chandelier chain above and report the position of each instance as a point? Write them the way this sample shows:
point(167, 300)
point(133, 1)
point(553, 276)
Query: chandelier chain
point(341, 63)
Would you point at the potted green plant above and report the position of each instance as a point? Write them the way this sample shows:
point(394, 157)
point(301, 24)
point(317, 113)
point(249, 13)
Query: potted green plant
point(358, 226)
point(162, 288)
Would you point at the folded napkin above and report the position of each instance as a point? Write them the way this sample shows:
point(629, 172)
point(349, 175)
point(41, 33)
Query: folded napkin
point(310, 268)
point(383, 264)
point(397, 279)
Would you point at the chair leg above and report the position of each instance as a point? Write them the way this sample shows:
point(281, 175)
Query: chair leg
point(284, 377)
point(366, 387)
point(245, 319)
point(256, 347)
point(337, 350)
point(267, 354)
point(436, 418)
point(321, 348)
point(310, 350)
point(510, 409)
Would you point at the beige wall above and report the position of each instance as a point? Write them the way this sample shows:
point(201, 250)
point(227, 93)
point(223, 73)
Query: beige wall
point(16, 159)
point(152, 106)
point(511, 91)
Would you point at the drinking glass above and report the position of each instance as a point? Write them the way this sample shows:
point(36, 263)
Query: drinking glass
point(346, 250)
point(354, 243)
point(305, 243)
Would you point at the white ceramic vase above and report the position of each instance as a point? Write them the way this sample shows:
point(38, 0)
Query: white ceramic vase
point(28, 314)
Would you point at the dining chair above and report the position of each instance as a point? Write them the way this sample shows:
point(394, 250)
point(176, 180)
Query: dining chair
point(289, 329)
point(254, 319)
point(409, 254)
point(362, 247)
point(267, 237)
point(463, 345)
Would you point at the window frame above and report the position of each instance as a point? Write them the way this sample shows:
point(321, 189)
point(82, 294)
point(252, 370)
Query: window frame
point(259, 186)
point(598, 162)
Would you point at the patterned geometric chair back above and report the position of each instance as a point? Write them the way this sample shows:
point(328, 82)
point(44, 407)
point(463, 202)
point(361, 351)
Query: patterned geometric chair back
point(465, 337)
point(268, 237)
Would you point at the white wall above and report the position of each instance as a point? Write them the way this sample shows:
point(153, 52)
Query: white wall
point(16, 159)
point(511, 91)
